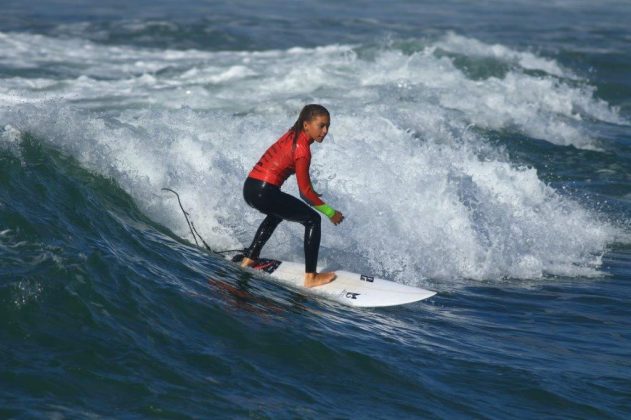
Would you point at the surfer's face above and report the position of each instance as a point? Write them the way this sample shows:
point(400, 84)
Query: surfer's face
point(317, 128)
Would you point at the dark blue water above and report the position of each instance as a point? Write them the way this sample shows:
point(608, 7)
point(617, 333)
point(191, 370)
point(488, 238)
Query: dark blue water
point(480, 150)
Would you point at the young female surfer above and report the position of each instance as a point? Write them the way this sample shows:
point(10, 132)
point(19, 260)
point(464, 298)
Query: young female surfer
point(291, 154)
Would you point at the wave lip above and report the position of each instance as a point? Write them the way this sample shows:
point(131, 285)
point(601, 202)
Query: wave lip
point(455, 43)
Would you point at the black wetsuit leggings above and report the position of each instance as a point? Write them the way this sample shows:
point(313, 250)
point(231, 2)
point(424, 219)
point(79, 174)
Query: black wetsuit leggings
point(279, 206)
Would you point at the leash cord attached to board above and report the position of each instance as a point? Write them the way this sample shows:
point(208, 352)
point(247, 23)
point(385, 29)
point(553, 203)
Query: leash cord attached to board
point(194, 232)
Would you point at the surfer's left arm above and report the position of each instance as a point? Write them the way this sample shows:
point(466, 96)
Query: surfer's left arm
point(308, 193)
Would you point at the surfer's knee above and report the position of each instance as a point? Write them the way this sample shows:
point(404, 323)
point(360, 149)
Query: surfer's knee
point(315, 216)
point(313, 220)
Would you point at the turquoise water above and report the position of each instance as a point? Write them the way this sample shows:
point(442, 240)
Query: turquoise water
point(479, 150)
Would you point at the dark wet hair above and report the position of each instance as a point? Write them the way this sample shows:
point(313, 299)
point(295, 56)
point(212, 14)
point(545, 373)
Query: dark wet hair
point(308, 113)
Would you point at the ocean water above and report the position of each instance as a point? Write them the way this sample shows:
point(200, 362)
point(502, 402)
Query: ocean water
point(478, 149)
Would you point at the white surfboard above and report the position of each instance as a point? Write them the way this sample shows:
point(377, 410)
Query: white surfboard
point(348, 288)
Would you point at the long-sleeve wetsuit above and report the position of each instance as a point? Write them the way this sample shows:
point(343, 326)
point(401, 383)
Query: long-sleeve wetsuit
point(262, 192)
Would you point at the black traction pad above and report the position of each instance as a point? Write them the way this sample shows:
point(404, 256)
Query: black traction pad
point(264, 264)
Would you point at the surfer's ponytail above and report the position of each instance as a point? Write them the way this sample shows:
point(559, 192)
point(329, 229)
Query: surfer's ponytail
point(308, 113)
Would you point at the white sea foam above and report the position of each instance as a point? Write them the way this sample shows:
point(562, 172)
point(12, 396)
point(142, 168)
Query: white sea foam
point(425, 196)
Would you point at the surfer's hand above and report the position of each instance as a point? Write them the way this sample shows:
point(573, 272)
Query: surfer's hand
point(337, 218)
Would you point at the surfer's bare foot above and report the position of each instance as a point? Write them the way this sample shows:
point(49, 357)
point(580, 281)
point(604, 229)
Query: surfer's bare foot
point(247, 262)
point(318, 279)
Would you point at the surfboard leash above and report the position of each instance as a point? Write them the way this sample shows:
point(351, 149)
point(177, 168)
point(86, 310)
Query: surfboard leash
point(194, 232)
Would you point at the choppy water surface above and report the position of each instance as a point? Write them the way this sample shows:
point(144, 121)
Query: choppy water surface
point(482, 151)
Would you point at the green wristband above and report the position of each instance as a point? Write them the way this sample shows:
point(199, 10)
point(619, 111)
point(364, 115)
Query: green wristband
point(325, 209)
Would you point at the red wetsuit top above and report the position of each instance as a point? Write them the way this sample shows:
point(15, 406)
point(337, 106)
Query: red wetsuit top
point(282, 160)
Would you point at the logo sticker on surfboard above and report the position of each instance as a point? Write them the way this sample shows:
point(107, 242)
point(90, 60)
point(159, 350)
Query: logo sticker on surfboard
point(349, 295)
